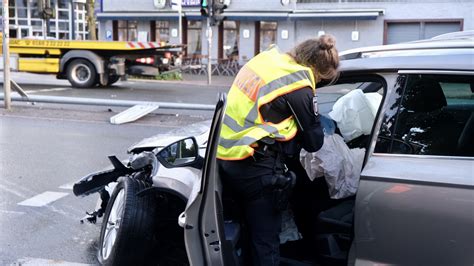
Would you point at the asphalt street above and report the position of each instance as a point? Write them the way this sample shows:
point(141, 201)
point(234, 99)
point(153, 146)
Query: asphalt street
point(46, 147)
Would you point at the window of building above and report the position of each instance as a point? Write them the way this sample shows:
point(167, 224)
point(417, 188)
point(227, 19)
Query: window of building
point(432, 115)
point(194, 31)
point(409, 30)
point(162, 31)
point(24, 14)
point(126, 30)
point(268, 34)
point(231, 40)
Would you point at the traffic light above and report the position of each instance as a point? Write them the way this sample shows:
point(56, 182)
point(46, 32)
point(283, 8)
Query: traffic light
point(205, 8)
point(217, 12)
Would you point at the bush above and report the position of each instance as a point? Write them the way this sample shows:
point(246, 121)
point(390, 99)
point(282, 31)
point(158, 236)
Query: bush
point(170, 75)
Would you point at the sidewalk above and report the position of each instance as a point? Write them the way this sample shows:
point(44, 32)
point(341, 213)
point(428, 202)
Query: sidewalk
point(197, 80)
point(188, 79)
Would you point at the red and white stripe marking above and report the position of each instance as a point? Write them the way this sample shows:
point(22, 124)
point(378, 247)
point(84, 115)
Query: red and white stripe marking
point(143, 45)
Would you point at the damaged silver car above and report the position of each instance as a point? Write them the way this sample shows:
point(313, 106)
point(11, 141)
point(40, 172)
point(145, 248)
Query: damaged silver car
point(414, 198)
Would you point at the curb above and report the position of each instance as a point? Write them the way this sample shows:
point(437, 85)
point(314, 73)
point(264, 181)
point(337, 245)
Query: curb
point(183, 82)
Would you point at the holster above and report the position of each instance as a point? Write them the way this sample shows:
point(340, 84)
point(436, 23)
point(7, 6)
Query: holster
point(281, 186)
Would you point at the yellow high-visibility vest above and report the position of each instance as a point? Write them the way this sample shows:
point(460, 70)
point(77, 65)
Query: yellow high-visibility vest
point(267, 76)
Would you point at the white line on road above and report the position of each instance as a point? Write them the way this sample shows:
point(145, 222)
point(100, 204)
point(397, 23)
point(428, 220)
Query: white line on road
point(67, 186)
point(43, 199)
point(47, 90)
point(37, 261)
point(13, 191)
point(11, 212)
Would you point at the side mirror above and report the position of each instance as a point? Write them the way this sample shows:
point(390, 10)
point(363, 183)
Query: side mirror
point(181, 153)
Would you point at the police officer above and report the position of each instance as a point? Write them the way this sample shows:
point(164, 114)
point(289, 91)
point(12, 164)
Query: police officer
point(271, 113)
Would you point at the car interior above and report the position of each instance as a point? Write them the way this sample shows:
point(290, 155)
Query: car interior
point(436, 117)
point(325, 224)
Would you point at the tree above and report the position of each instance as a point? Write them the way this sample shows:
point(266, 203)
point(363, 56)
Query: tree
point(91, 19)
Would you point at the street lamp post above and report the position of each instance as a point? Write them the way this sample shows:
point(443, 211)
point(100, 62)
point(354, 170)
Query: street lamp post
point(6, 55)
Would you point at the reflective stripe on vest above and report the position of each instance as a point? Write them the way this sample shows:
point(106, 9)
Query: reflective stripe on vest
point(264, 78)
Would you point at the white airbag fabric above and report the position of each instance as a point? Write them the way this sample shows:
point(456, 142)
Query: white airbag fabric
point(339, 165)
point(355, 113)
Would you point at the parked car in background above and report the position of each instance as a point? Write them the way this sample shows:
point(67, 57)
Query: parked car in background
point(414, 203)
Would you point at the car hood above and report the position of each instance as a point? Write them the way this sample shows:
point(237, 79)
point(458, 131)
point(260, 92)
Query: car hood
point(199, 130)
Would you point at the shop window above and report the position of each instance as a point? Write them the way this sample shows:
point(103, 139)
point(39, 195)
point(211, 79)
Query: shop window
point(231, 40)
point(268, 33)
point(432, 115)
point(126, 30)
point(162, 31)
point(194, 37)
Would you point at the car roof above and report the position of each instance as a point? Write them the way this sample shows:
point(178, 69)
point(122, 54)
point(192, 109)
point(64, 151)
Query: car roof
point(445, 52)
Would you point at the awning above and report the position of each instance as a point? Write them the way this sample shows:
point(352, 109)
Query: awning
point(172, 15)
point(255, 16)
point(346, 14)
point(356, 14)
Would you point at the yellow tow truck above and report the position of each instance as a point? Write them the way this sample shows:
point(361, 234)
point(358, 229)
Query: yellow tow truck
point(86, 63)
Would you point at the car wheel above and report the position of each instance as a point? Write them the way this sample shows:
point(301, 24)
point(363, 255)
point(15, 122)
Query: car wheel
point(81, 73)
point(126, 235)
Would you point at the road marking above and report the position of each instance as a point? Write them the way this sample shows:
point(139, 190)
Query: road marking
point(11, 212)
point(13, 191)
point(67, 186)
point(43, 199)
point(47, 90)
point(38, 261)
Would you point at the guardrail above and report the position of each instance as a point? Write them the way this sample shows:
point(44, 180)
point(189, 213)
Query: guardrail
point(107, 102)
point(136, 110)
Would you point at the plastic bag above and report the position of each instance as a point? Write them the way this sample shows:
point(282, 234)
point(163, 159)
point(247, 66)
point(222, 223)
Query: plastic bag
point(355, 113)
point(339, 165)
point(289, 230)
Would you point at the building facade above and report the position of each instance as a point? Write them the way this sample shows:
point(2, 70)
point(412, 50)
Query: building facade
point(251, 26)
point(68, 21)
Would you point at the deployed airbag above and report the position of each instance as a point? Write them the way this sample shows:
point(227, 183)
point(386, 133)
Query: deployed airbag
point(355, 113)
point(339, 165)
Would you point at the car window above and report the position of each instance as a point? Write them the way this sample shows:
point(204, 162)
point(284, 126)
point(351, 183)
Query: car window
point(432, 115)
point(328, 95)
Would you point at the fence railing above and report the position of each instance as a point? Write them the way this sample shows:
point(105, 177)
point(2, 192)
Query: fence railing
point(220, 67)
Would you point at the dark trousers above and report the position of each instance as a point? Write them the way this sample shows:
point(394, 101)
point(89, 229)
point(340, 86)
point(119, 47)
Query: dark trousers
point(243, 180)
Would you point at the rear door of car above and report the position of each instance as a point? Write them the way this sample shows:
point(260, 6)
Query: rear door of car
point(202, 219)
point(415, 203)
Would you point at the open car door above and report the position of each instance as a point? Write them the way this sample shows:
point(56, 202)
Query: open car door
point(203, 218)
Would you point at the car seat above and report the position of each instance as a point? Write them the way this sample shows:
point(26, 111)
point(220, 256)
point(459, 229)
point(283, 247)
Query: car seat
point(466, 139)
point(335, 233)
point(424, 126)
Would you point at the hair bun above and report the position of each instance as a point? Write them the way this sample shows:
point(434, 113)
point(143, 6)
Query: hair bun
point(327, 42)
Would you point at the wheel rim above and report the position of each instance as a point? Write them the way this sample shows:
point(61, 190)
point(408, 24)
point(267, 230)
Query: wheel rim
point(81, 73)
point(113, 224)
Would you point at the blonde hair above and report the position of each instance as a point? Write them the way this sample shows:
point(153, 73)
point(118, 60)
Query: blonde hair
point(320, 55)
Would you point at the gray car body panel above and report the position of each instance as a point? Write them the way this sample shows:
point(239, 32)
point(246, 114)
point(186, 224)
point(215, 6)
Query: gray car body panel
point(412, 210)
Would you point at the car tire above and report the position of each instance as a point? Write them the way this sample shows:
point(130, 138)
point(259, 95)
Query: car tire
point(82, 73)
point(126, 236)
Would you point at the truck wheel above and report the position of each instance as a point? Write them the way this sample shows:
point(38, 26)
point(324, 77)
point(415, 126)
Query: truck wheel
point(127, 231)
point(112, 79)
point(81, 73)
